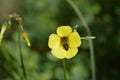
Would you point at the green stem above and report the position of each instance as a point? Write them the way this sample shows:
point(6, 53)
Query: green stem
point(64, 69)
point(21, 58)
point(92, 56)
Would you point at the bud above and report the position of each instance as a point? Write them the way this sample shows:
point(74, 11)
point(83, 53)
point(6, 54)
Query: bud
point(25, 37)
point(4, 27)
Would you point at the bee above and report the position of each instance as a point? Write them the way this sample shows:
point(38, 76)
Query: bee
point(65, 45)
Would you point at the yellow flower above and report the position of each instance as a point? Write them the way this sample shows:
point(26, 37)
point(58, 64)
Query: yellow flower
point(65, 43)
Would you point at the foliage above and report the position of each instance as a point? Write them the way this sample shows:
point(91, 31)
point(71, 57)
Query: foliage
point(40, 19)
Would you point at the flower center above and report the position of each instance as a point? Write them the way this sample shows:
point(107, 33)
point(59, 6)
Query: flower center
point(64, 42)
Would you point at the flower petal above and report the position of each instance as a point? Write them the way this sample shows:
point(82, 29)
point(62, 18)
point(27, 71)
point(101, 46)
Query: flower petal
point(54, 41)
point(74, 39)
point(25, 37)
point(59, 52)
point(64, 31)
point(71, 52)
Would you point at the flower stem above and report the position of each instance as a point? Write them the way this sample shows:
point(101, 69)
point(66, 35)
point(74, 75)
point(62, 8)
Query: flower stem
point(64, 69)
point(90, 42)
point(21, 58)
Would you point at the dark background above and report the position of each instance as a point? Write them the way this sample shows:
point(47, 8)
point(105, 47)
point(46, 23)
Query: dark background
point(41, 18)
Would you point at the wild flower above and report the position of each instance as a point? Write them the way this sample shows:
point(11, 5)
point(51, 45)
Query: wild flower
point(65, 43)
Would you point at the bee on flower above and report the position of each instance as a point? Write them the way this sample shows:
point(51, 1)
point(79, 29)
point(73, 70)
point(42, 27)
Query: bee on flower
point(65, 43)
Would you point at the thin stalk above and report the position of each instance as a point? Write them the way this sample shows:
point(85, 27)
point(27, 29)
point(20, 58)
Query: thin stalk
point(90, 42)
point(64, 69)
point(21, 58)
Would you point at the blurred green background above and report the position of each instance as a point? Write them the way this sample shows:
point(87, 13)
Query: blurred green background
point(40, 19)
